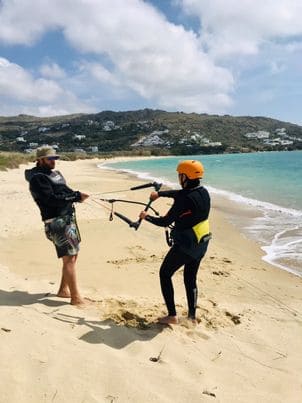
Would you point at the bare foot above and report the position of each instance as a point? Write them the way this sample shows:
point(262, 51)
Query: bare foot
point(193, 321)
point(168, 320)
point(81, 302)
point(64, 292)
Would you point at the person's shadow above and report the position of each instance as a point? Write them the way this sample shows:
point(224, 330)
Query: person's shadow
point(110, 333)
point(19, 298)
point(106, 331)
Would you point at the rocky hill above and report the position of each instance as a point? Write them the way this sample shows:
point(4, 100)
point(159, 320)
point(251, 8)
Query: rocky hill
point(149, 131)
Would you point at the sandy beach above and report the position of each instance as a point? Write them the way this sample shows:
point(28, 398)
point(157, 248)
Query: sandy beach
point(246, 348)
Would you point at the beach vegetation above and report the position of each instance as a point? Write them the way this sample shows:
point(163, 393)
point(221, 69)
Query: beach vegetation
point(10, 160)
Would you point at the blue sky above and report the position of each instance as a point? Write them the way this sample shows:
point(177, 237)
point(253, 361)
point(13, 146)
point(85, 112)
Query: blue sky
point(203, 56)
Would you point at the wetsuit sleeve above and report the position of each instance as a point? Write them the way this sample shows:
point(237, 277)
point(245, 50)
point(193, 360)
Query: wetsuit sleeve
point(168, 219)
point(41, 186)
point(183, 212)
point(168, 193)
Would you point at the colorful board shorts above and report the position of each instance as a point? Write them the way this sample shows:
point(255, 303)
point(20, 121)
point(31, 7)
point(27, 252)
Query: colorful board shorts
point(64, 233)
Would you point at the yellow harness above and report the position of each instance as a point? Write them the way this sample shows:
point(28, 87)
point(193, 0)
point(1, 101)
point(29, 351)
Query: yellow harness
point(201, 230)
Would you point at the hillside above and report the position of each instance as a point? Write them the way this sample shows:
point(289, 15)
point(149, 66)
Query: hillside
point(149, 131)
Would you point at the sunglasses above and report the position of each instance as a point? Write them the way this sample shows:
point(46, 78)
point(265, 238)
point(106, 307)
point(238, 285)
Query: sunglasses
point(52, 158)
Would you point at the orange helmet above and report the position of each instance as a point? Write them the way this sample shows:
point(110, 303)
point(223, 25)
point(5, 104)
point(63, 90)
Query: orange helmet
point(192, 169)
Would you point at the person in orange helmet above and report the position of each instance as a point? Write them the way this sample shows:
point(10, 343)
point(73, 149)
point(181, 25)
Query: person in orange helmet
point(190, 235)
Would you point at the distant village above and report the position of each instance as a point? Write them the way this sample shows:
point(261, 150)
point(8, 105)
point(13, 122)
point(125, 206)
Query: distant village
point(155, 139)
point(86, 135)
point(280, 138)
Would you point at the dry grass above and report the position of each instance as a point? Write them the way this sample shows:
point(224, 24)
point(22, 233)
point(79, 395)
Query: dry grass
point(9, 160)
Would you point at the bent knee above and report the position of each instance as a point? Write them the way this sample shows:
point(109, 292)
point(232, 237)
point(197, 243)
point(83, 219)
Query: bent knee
point(164, 274)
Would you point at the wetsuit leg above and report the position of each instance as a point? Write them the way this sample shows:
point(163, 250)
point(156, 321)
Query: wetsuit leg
point(172, 262)
point(190, 274)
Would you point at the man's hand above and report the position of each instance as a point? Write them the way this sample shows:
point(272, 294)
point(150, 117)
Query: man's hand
point(84, 196)
point(143, 215)
point(154, 196)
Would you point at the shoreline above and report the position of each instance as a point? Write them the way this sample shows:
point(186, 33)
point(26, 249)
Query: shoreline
point(249, 312)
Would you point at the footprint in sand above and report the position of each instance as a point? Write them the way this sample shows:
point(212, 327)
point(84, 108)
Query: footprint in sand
point(137, 259)
point(226, 260)
point(234, 318)
point(131, 314)
point(144, 315)
point(221, 273)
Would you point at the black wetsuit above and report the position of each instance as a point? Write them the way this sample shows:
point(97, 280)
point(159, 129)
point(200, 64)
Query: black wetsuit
point(190, 207)
point(49, 190)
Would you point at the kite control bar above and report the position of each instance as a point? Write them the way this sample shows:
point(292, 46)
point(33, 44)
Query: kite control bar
point(136, 224)
point(155, 185)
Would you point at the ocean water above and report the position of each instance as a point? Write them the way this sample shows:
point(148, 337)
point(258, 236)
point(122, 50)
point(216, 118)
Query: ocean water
point(267, 184)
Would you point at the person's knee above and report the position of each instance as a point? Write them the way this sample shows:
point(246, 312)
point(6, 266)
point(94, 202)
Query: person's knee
point(189, 279)
point(164, 274)
point(69, 259)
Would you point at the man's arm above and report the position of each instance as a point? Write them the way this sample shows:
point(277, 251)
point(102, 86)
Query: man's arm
point(168, 193)
point(168, 219)
point(184, 213)
point(163, 193)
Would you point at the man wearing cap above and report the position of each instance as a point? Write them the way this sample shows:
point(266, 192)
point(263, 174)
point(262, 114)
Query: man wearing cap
point(55, 201)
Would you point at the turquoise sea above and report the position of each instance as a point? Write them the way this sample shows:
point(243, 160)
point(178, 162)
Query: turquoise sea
point(268, 183)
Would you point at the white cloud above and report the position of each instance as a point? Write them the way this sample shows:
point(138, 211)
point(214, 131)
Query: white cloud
point(67, 106)
point(15, 82)
point(100, 73)
point(23, 22)
point(241, 27)
point(52, 70)
point(20, 92)
point(158, 60)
